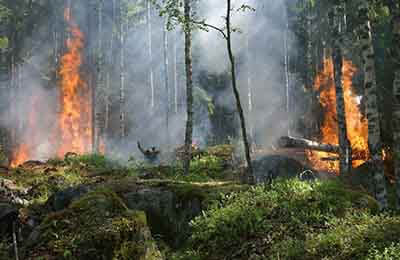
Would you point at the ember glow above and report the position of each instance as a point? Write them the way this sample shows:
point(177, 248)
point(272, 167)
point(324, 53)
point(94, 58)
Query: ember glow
point(75, 121)
point(357, 125)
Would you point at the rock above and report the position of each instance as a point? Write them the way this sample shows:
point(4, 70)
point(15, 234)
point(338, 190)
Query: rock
point(8, 214)
point(62, 199)
point(168, 215)
point(273, 166)
point(12, 193)
point(170, 206)
point(96, 226)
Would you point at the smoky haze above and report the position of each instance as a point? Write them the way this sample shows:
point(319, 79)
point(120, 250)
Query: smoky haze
point(259, 52)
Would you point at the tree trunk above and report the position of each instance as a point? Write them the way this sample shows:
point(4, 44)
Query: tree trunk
point(286, 63)
point(370, 88)
point(396, 95)
point(150, 49)
point(292, 142)
point(122, 73)
point(111, 62)
point(97, 104)
point(176, 72)
point(189, 87)
point(166, 79)
point(344, 144)
point(236, 93)
point(249, 91)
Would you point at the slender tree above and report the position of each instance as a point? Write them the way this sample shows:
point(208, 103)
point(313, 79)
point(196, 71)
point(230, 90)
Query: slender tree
point(150, 51)
point(166, 82)
point(337, 57)
point(395, 12)
point(97, 104)
point(189, 85)
point(122, 70)
point(236, 91)
point(372, 112)
point(176, 72)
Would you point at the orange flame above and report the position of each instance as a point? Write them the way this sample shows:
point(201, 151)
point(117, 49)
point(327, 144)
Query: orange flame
point(26, 148)
point(75, 121)
point(357, 125)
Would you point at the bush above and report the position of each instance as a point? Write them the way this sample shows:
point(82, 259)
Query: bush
point(357, 236)
point(389, 253)
point(274, 221)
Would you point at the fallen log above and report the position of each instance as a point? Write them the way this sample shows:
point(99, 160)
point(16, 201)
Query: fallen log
point(293, 142)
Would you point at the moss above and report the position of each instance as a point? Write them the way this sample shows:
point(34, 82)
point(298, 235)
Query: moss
point(269, 222)
point(98, 226)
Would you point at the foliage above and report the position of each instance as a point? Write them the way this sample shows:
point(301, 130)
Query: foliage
point(92, 160)
point(388, 253)
point(353, 236)
point(277, 220)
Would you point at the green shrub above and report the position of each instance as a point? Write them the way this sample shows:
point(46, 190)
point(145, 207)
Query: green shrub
point(273, 221)
point(356, 236)
point(389, 253)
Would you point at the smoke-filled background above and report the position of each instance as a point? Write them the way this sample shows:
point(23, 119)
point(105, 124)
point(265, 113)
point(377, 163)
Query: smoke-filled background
point(124, 64)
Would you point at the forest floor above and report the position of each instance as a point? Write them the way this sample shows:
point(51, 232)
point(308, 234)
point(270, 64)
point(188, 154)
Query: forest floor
point(91, 207)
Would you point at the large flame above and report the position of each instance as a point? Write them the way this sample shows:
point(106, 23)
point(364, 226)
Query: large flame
point(75, 121)
point(357, 125)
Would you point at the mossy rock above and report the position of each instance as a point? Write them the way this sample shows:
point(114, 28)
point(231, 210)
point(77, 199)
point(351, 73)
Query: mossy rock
point(170, 205)
point(97, 226)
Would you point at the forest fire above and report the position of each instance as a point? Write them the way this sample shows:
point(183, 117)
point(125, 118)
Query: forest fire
point(357, 125)
point(25, 149)
point(73, 130)
point(75, 121)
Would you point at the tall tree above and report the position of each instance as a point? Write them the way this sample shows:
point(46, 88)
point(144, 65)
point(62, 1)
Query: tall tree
point(395, 12)
point(372, 112)
point(98, 95)
point(189, 85)
point(122, 70)
point(236, 91)
point(337, 57)
point(150, 51)
point(166, 82)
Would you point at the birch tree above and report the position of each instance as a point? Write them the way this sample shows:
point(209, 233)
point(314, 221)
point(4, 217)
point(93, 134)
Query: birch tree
point(372, 112)
point(395, 12)
point(337, 57)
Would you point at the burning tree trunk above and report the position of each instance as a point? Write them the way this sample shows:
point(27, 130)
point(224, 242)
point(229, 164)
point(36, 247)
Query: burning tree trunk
point(75, 122)
point(374, 131)
point(189, 86)
point(344, 144)
point(396, 95)
point(292, 142)
point(150, 48)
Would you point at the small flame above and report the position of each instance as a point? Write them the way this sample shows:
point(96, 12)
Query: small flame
point(357, 125)
point(26, 148)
